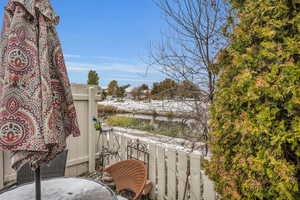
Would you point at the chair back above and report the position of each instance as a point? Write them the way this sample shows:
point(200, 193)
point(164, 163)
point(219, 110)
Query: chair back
point(129, 174)
point(55, 168)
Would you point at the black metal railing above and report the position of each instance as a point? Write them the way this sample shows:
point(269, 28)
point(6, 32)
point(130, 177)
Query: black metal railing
point(138, 151)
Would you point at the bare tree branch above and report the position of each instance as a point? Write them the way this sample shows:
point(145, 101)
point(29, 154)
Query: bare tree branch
point(188, 52)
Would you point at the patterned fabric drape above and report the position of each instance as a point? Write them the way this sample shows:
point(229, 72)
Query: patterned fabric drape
point(37, 112)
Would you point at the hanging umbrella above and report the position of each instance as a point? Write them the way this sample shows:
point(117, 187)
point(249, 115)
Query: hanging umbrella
point(37, 112)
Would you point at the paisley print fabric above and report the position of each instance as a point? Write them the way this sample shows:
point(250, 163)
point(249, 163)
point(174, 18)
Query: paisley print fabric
point(37, 112)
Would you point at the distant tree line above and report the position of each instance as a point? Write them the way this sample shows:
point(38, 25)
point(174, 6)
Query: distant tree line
point(170, 89)
point(115, 90)
point(166, 89)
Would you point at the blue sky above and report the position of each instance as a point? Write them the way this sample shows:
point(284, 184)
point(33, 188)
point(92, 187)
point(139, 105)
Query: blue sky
point(111, 37)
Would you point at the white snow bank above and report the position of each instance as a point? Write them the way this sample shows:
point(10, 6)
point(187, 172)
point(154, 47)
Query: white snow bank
point(154, 105)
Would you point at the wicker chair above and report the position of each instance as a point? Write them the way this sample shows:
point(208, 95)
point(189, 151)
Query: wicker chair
point(129, 174)
point(56, 168)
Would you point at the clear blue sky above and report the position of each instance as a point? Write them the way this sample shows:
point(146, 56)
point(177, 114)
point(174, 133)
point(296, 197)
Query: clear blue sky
point(110, 36)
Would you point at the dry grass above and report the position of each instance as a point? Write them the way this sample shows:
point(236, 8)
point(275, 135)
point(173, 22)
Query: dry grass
point(171, 129)
point(109, 110)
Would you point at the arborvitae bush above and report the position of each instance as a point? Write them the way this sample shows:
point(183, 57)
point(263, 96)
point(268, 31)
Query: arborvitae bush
point(255, 115)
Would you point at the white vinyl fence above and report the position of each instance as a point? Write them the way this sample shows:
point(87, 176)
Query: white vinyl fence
point(168, 167)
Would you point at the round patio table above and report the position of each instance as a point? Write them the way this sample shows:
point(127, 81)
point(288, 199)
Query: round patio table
point(62, 189)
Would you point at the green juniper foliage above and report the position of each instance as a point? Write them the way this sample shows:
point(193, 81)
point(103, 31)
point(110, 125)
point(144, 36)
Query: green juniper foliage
point(255, 116)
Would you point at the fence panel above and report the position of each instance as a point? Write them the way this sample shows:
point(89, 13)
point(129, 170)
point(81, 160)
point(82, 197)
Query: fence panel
point(168, 170)
point(195, 184)
point(105, 146)
point(161, 176)
point(118, 147)
point(182, 173)
point(91, 130)
point(115, 147)
point(76, 154)
point(153, 169)
point(108, 143)
point(123, 145)
point(208, 188)
point(112, 148)
point(172, 182)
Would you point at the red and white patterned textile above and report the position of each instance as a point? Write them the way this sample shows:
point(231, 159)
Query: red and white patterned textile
point(37, 112)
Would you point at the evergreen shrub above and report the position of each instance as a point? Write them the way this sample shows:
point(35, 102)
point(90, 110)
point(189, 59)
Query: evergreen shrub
point(255, 114)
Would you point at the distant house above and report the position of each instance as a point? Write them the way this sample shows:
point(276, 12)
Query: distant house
point(128, 92)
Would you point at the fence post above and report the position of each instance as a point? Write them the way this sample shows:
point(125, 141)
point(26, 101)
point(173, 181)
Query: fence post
point(91, 130)
point(1, 170)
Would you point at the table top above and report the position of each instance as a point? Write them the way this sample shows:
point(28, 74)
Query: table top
point(62, 189)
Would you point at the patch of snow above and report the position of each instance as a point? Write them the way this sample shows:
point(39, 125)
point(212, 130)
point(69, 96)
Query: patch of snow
point(129, 89)
point(154, 105)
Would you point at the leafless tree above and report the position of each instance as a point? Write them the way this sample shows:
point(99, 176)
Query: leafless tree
point(187, 52)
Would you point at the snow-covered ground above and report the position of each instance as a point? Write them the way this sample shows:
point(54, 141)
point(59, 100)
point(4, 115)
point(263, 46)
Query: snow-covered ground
point(154, 105)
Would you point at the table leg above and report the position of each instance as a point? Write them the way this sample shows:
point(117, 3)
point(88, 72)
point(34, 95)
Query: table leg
point(37, 178)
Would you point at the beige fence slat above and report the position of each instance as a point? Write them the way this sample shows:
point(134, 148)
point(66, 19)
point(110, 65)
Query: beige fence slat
point(1, 170)
point(123, 147)
point(171, 185)
point(182, 173)
point(104, 140)
point(100, 142)
point(98, 145)
point(79, 146)
point(118, 147)
point(195, 178)
point(105, 146)
point(91, 129)
point(112, 147)
point(161, 173)
point(152, 169)
point(115, 147)
point(109, 147)
point(141, 154)
point(208, 188)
